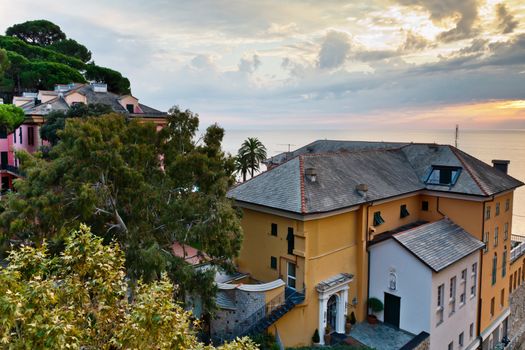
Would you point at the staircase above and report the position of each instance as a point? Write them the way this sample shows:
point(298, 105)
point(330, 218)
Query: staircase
point(292, 298)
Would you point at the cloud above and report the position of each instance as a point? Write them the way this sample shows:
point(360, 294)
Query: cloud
point(505, 20)
point(464, 12)
point(334, 50)
point(250, 64)
point(414, 42)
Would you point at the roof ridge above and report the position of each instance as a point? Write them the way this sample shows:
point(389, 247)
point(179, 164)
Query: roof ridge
point(458, 155)
point(344, 151)
point(301, 179)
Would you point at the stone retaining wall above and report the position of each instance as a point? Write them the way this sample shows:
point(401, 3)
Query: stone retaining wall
point(517, 319)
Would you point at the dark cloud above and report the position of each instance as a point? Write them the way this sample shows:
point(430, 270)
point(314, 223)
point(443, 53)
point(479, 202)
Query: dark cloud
point(505, 20)
point(334, 50)
point(466, 10)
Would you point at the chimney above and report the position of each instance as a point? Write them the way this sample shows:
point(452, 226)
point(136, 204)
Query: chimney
point(501, 165)
point(310, 174)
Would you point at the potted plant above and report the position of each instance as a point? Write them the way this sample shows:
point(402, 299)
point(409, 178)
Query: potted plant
point(352, 318)
point(315, 338)
point(348, 325)
point(374, 306)
point(327, 336)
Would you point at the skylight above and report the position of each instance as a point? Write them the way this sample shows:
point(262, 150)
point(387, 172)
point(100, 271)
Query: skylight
point(443, 175)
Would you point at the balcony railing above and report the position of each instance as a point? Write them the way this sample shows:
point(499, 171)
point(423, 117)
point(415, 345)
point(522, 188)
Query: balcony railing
point(10, 168)
point(518, 249)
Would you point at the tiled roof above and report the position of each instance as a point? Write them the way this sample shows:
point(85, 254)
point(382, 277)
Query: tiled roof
point(387, 169)
point(438, 244)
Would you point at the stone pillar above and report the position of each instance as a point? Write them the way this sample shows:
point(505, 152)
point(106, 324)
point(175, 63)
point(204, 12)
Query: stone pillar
point(323, 303)
point(341, 310)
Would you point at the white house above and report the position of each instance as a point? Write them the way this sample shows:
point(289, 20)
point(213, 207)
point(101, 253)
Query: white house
point(428, 277)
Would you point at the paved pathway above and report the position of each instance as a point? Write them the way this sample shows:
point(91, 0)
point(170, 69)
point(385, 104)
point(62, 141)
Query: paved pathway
point(380, 336)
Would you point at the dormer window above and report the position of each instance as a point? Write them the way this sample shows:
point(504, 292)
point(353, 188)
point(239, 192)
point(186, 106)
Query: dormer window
point(443, 175)
point(130, 108)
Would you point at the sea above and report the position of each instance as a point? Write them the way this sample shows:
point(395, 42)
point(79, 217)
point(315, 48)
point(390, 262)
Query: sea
point(482, 144)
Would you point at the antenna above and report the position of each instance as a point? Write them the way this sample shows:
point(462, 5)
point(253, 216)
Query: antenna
point(286, 144)
point(457, 136)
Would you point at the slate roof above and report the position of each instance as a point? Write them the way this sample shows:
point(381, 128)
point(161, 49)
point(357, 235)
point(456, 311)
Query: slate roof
point(106, 98)
point(388, 169)
point(438, 244)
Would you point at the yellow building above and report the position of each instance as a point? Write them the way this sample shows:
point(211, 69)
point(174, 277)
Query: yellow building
point(310, 218)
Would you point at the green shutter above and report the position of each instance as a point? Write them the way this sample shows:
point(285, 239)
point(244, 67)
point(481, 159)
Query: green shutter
point(378, 220)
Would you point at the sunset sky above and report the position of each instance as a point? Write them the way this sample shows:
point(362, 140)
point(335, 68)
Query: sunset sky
point(309, 64)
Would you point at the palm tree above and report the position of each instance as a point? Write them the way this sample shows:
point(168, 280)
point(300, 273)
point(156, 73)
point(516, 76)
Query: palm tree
point(241, 167)
point(250, 155)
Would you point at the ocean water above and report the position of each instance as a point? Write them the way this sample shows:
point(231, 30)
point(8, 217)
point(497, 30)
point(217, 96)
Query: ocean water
point(482, 144)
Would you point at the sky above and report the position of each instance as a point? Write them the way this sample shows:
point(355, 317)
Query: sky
point(308, 64)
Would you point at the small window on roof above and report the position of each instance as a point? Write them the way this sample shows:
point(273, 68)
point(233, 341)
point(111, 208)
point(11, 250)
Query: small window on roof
point(443, 175)
point(130, 107)
point(378, 220)
point(404, 212)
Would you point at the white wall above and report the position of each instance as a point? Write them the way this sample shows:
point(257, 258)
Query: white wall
point(453, 325)
point(414, 283)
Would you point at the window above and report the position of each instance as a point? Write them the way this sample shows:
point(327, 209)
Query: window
point(440, 302)
point(487, 212)
point(507, 205)
point(497, 209)
point(20, 135)
point(443, 175)
point(403, 211)
point(274, 230)
point(130, 108)
point(14, 136)
point(494, 268)
point(519, 276)
point(451, 346)
point(462, 296)
point(378, 220)
point(3, 132)
point(424, 205)
point(492, 307)
point(471, 330)
point(486, 241)
point(291, 275)
point(515, 280)
point(502, 298)
point(452, 295)
point(506, 231)
point(504, 263)
point(474, 276)
point(273, 262)
point(460, 340)
point(291, 240)
point(30, 136)
point(510, 284)
point(496, 236)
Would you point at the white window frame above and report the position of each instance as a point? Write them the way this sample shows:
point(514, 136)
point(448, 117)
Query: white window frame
point(452, 295)
point(474, 277)
point(291, 277)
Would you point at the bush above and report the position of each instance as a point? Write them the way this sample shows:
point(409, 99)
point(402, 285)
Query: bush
point(375, 305)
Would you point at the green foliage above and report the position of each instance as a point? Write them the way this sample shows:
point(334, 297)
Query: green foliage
point(33, 52)
point(56, 120)
point(315, 338)
point(375, 305)
point(250, 156)
point(4, 62)
point(44, 75)
point(72, 48)
point(11, 117)
point(38, 32)
point(107, 172)
point(116, 82)
point(79, 300)
point(265, 341)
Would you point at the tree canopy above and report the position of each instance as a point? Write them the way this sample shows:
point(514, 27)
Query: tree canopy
point(250, 156)
point(4, 62)
point(79, 299)
point(116, 82)
point(10, 117)
point(72, 48)
point(144, 188)
point(38, 32)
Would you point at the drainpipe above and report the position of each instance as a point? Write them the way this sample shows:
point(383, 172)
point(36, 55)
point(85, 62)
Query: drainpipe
point(438, 210)
point(368, 256)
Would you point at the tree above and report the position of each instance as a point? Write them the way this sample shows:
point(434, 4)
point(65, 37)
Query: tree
point(38, 32)
point(116, 82)
point(241, 166)
point(11, 117)
point(79, 300)
point(44, 75)
point(72, 48)
point(56, 120)
point(4, 62)
point(252, 153)
point(108, 173)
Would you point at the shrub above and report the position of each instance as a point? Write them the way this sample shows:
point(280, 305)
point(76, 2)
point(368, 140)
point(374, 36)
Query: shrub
point(315, 337)
point(375, 305)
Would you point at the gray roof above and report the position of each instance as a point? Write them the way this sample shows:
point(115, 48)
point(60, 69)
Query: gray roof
point(106, 98)
point(438, 244)
point(388, 172)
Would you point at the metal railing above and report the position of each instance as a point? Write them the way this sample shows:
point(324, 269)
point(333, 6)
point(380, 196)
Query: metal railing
point(10, 168)
point(517, 251)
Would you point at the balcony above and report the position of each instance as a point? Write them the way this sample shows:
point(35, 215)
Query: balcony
point(518, 247)
point(10, 169)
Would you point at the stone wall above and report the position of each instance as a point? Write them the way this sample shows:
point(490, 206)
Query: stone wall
point(419, 342)
point(517, 318)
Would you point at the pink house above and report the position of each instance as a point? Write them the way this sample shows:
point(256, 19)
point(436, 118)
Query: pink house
point(37, 105)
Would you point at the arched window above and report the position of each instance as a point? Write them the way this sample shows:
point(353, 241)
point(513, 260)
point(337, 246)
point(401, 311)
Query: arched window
point(504, 263)
point(494, 268)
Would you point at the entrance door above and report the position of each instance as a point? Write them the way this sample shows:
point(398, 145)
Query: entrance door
point(331, 312)
point(392, 309)
point(3, 158)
